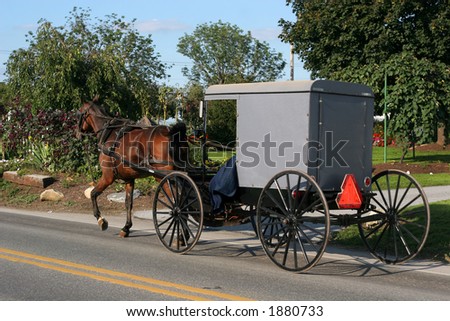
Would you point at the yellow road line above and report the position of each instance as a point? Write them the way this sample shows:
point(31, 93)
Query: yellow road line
point(67, 267)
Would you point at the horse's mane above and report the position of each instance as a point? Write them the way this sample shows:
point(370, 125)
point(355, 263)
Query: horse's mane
point(101, 109)
point(178, 128)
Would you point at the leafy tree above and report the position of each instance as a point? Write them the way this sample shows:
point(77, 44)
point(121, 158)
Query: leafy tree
point(65, 65)
point(362, 41)
point(3, 95)
point(167, 103)
point(222, 53)
point(193, 94)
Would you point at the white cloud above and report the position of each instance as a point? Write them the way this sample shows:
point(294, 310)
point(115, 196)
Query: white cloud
point(266, 34)
point(28, 27)
point(156, 25)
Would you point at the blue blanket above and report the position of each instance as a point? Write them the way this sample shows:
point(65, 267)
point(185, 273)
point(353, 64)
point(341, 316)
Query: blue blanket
point(223, 185)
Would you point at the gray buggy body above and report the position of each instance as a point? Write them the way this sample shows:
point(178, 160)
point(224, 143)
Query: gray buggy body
point(321, 127)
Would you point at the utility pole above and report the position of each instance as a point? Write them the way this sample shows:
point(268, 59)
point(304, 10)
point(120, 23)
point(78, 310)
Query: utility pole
point(292, 62)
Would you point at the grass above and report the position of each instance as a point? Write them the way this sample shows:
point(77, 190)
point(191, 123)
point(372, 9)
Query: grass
point(10, 194)
point(422, 157)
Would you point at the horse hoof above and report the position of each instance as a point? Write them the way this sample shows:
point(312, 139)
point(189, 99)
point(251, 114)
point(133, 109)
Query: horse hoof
point(103, 223)
point(123, 234)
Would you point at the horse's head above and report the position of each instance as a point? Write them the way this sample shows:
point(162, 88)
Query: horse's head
point(85, 124)
point(92, 118)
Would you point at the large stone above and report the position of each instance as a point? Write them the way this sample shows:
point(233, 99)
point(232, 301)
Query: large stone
point(51, 195)
point(30, 180)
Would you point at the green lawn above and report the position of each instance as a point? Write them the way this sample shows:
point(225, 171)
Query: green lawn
point(422, 158)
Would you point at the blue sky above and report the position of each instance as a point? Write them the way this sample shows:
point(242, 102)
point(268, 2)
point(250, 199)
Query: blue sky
point(165, 20)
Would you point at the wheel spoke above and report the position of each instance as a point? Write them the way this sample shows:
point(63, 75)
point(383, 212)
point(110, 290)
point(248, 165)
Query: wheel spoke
point(305, 255)
point(389, 191)
point(273, 214)
point(159, 200)
point(308, 239)
point(283, 209)
point(380, 236)
point(274, 234)
point(289, 195)
point(403, 227)
point(312, 205)
point(409, 203)
point(374, 230)
point(304, 198)
point(403, 197)
point(405, 245)
point(281, 196)
point(288, 244)
point(165, 221)
point(386, 205)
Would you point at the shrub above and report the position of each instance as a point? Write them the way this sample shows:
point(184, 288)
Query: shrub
point(47, 140)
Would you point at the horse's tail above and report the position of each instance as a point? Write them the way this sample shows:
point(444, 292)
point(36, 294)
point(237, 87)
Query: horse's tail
point(179, 145)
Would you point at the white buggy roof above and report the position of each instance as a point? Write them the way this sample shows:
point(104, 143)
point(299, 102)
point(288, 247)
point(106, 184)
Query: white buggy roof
point(232, 91)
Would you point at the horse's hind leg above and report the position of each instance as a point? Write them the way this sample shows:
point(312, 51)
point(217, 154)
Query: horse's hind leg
point(129, 189)
point(102, 184)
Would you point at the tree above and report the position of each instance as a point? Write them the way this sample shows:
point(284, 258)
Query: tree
point(193, 94)
point(222, 53)
point(66, 65)
point(362, 41)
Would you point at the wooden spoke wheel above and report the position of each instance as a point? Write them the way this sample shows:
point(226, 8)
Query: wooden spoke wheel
point(293, 221)
point(401, 218)
point(178, 212)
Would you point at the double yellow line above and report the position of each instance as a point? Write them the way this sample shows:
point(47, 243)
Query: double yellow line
point(119, 278)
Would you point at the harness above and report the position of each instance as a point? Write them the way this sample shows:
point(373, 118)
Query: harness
point(121, 127)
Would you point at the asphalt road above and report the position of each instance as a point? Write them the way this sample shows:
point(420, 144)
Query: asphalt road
point(50, 256)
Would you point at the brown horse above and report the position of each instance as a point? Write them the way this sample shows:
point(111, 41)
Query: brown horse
point(128, 152)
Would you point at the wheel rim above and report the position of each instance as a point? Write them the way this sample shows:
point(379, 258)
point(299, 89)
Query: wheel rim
point(401, 218)
point(178, 212)
point(292, 221)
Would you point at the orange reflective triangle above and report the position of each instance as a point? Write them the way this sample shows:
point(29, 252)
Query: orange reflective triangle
point(350, 195)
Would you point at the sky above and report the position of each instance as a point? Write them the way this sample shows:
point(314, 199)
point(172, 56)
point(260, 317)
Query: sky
point(165, 20)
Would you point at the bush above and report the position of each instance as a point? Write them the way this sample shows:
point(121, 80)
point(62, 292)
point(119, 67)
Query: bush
point(47, 140)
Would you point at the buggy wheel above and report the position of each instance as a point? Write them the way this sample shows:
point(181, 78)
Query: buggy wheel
point(293, 221)
point(178, 212)
point(401, 215)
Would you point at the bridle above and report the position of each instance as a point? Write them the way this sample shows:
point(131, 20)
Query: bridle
point(84, 115)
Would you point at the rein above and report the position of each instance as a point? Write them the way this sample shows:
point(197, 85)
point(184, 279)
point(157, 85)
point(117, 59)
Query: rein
point(124, 126)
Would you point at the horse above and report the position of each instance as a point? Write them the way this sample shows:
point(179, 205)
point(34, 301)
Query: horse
point(129, 151)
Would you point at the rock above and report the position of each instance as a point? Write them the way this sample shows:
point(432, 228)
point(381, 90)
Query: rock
point(88, 191)
point(120, 197)
point(29, 180)
point(51, 195)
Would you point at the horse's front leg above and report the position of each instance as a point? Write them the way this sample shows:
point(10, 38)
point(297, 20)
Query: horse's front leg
point(129, 189)
point(102, 184)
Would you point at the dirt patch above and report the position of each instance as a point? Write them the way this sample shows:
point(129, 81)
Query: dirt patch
point(74, 201)
point(428, 168)
point(431, 147)
point(434, 168)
